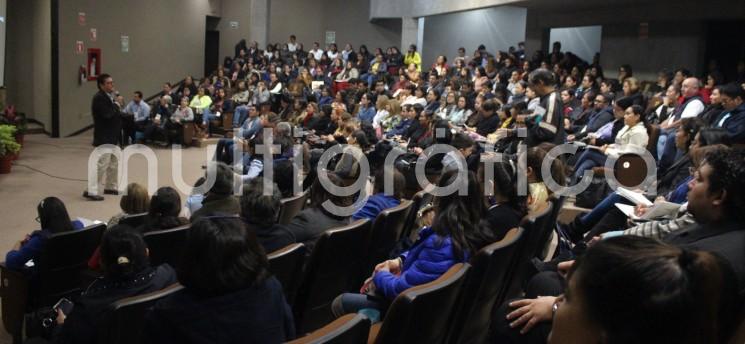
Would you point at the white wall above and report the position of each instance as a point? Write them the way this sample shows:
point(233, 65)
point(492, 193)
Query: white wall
point(497, 28)
point(421, 8)
point(583, 41)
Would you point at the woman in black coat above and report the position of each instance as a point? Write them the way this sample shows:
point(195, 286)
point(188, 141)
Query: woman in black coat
point(229, 295)
point(127, 273)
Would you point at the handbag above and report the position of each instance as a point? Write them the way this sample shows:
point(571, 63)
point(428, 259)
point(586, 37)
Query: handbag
point(595, 192)
point(40, 323)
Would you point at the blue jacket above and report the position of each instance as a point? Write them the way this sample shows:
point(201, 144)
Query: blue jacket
point(429, 258)
point(375, 205)
point(366, 114)
point(15, 260)
point(401, 128)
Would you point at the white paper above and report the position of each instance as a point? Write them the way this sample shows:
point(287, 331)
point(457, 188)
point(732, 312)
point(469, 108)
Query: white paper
point(635, 197)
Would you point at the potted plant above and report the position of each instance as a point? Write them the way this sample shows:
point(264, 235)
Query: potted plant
point(8, 147)
point(16, 119)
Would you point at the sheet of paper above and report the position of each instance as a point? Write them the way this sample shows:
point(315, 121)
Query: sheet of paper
point(635, 197)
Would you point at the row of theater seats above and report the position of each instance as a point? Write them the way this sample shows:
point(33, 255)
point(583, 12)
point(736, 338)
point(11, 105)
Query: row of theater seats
point(454, 308)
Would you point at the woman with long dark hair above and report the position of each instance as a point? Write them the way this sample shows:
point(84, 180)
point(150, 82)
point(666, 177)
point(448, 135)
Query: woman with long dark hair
point(53, 218)
point(451, 239)
point(165, 207)
point(229, 295)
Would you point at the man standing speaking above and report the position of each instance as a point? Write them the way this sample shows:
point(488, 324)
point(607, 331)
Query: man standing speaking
point(107, 128)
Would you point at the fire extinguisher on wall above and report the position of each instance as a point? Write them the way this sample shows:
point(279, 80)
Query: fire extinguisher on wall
point(82, 75)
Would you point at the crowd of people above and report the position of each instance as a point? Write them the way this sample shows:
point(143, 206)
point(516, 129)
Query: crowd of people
point(679, 277)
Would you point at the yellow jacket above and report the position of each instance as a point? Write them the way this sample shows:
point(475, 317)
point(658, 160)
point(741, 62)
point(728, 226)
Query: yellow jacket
point(415, 59)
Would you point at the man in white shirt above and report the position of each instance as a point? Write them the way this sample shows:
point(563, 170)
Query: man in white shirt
point(691, 106)
point(292, 44)
point(316, 51)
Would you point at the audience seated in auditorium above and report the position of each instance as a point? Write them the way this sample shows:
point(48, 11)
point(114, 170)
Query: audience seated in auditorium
point(229, 294)
point(53, 219)
point(126, 273)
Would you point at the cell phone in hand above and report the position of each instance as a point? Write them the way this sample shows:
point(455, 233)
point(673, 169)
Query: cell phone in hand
point(64, 305)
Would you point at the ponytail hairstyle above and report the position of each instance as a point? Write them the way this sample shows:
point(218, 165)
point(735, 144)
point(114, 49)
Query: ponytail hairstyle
point(123, 252)
point(640, 290)
point(504, 184)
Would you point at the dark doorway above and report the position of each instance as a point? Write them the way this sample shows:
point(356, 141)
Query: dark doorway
point(211, 46)
point(725, 43)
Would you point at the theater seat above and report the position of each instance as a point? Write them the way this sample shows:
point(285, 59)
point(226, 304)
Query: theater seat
point(291, 206)
point(166, 246)
point(58, 274)
point(328, 273)
point(189, 132)
point(133, 220)
point(482, 288)
point(537, 230)
point(349, 329)
point(227, 121)
point(419, 200)
point(126, 319)
point(287, 265)
point(422, 314)
point(386, 231)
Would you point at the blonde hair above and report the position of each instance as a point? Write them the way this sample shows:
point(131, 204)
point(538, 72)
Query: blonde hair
point(633, 83)
point(136, 200)
point(382, 102)
point(395, 107)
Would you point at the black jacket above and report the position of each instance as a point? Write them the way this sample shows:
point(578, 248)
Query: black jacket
point(726, 240)
point(487, 126)
point(82, 324)
point(550, 128)
point(669, 179)
point(107, 120)
point(272, 238)
point(308, 225)
point(214, 204)
point(258, 314)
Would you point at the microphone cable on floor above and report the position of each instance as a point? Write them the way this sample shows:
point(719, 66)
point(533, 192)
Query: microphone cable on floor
point(49, 175)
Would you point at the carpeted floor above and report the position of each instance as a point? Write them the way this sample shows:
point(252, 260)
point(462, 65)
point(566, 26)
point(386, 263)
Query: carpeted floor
point(57, 167)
